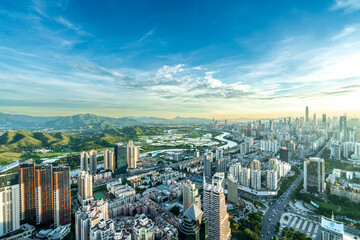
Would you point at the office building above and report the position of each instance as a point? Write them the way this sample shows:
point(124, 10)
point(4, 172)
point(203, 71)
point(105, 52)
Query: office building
point(84, 166)
point(256, 179)
point(314, 175)
point(272, 179)
point(194, 225)
point(120, 158)
point(324, 119)
point(215, 210)
point(109, 160)
point(85, 188)
point(9, 198)
point(343, 126)
point(190, 196)
point(62, 196)
point(27, 192)
point(331, 229)
point(285, 154)
point(132, 155)
point(232, 189)
point(208, 164)
point(44, 194)
point(93, 161)
point(255, 165)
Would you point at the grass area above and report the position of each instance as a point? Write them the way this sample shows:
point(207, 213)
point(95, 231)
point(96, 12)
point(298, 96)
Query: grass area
point(8, 157)
point(331, 163)
point(99, 195)
point(256, 203)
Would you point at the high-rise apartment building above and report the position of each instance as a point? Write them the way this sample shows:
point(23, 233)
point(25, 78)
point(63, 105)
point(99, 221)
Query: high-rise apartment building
point(274, 165)
point(208, 164)
point(62, 196)
point(343, 126)
point(190, 196)
point(232, 189)
point(27, 192)
point(9, 199)
point(219, 154)
point(256, 179)
point(272, 179)
point(109, 160)
point(215, 210)
point(218, 179)
point(235, 171)
point(85, 188)
point(93, 161)
point(44, 194)
point(133, 153)
point(194, 225)
point(120, 158)
point(221, 165)
point(255, 165)
point(245, 177)
point(143, 228)
point(314, 175)
point(84, 166)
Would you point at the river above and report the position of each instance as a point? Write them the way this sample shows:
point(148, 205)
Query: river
point(229, 143)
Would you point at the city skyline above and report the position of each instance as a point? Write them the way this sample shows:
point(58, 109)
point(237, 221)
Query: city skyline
point(191, 59)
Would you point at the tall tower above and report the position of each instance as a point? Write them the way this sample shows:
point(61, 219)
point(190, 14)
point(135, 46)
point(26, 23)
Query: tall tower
point(84, 166)
point(190, 196)
point(208, 164)
point(307, 114)
point(85, 189)
point(93, 161)
point(9, 199)
point(44, 194)
point(215, 210)
point(232, 189)
point(132, 155)
point(120, 158)
point(343, 126)
point(194, 225)
point(27, 192)
point(314, 175)
point(62, 196)
point(109, 160)
point(324, 119)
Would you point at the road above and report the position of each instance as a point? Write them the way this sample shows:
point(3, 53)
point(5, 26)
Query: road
point(273, 215)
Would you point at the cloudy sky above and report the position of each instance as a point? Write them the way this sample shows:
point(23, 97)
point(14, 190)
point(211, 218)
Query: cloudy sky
point(189, 58)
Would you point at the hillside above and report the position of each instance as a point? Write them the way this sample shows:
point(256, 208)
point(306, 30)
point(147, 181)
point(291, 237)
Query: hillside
point(15, 143)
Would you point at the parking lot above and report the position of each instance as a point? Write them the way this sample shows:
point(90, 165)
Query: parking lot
point(310, 228)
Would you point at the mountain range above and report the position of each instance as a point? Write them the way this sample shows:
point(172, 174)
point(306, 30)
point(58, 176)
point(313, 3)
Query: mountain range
point(86, 122)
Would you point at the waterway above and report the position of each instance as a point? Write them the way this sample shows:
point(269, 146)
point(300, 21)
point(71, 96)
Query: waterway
point(229, 143)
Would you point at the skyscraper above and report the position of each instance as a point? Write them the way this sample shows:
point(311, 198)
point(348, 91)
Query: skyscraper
point(307, 114)
point(93, 161)
point(208, 164)
point(62, 196)
point(215, 210)
point(9, 199)
point(219, 154)
point(272, 179)
point(245, 177)
point(274, 165)
point(343, 126)
point(109, 160)
point(85, 188)
point(232, 189)
point(84, 166)
point(190, 196)
point(221, 165)
point(235, 171)
point(132, 155)
point(314, 175)
point(219, 179)
point(194, 225)
point(120, 158)
point(44, 194)
point(324, 119)
point(27, 192)
point(314, 118)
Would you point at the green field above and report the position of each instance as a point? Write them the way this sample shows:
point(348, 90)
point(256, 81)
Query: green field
point(99, 195)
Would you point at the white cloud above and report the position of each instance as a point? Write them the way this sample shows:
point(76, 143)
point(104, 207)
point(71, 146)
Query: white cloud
point(348, 6)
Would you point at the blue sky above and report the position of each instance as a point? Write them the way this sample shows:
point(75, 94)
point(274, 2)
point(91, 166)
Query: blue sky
point(189, 58)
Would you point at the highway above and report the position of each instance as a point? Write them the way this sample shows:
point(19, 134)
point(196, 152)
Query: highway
point(273, 214)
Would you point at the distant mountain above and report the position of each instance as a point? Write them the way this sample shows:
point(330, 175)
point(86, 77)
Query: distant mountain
point(18, 121)
point(86, 122)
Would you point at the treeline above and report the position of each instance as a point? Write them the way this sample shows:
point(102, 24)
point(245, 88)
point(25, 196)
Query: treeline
point(247, 229)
